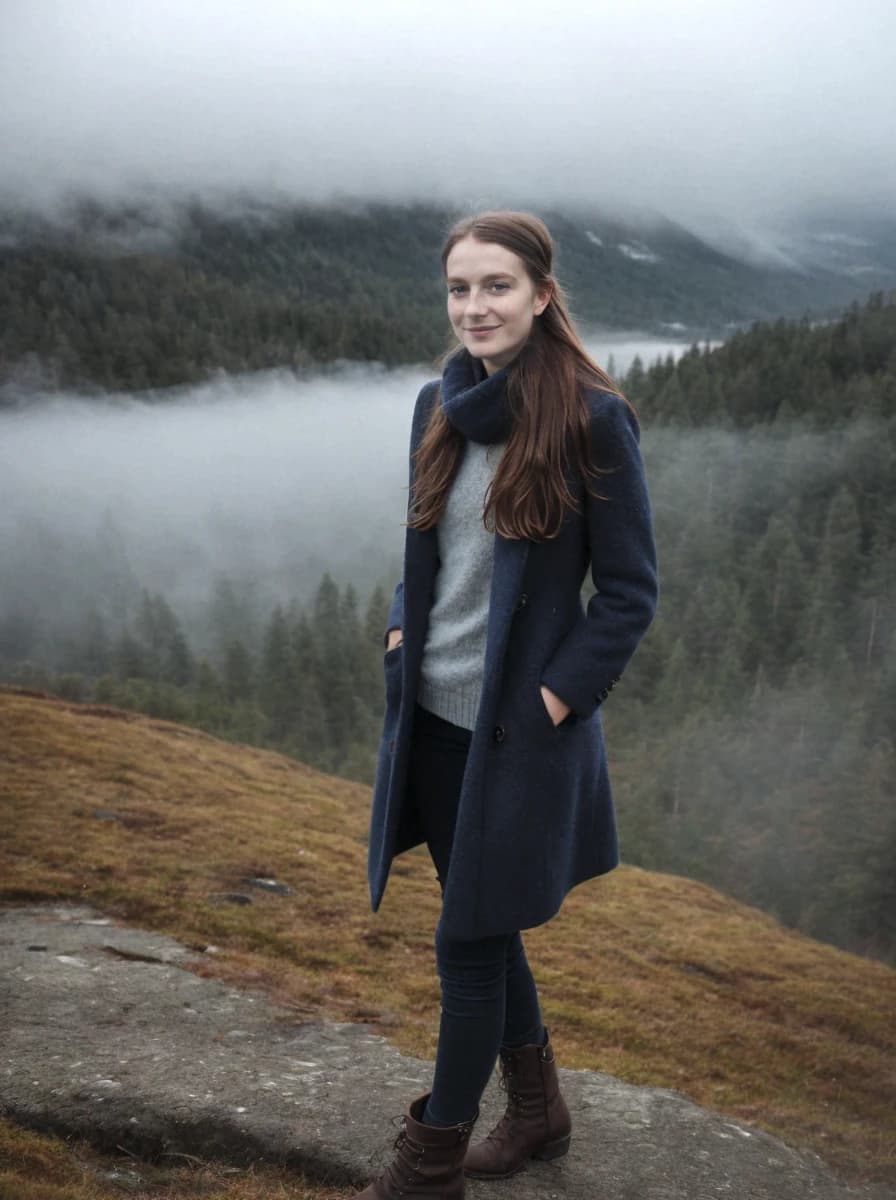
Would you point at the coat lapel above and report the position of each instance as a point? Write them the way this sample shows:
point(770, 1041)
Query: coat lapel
point(510, 557)
point(421, 562)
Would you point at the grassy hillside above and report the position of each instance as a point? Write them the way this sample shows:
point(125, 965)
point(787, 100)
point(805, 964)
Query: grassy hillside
point(654, 978)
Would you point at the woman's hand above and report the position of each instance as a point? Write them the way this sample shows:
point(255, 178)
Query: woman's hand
point(558, 710)
point(395, 637)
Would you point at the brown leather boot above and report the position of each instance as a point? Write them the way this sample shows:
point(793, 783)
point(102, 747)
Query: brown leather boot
point(428, 1164)
point(536, 1122)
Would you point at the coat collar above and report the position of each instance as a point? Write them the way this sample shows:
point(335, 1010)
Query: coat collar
point(475, 403)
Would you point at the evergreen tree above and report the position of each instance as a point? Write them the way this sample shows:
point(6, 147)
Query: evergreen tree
point(277, 688)
point(130, 658)
point(210, 705)
point(238, 672)
point(375, 615)
point(837, 578)
point(97, 656)
point(311, 721)
point(332, 667)
point(231, 617)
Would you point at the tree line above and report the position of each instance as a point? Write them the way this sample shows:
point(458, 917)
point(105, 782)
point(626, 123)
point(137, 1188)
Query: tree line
point(119, 300)
point(308, 685)
point(820, 374)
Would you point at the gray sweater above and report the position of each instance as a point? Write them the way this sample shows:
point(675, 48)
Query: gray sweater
point(454, 651)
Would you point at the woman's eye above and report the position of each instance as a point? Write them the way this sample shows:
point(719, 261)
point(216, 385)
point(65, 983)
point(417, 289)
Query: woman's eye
point(497, 286)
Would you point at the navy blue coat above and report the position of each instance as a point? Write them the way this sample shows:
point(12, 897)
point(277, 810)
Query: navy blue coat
point(535, 815)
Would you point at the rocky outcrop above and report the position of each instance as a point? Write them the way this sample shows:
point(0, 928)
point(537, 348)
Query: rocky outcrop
point(105, 1034)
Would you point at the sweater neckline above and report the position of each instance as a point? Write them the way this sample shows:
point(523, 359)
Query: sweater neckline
point(475, 403)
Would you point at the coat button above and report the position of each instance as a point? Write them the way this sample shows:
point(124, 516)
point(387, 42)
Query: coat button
point(522, 602)
point(499, 733)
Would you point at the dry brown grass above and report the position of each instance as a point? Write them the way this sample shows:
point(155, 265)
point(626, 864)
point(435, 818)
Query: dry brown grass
point(36, 1167)
point(654, 978)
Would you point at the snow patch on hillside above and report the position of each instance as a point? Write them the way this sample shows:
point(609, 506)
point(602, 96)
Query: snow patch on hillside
point(638, 252)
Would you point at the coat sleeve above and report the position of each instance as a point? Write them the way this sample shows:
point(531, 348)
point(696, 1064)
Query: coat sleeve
point(591, 658)
point(422, 409)
point(396, 609)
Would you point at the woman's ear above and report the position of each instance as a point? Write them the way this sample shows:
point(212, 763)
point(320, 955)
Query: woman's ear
point(543, 299)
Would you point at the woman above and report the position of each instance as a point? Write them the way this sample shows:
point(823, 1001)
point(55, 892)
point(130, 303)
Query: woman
point(524, 471)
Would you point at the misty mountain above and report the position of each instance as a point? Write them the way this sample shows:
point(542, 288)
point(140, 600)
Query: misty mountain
point(135, 298)
point(850, 245)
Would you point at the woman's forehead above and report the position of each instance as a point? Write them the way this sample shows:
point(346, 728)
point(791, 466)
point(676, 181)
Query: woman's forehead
point(471, 259)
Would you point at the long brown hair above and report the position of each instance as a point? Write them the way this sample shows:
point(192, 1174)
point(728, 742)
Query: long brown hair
point(550, 423)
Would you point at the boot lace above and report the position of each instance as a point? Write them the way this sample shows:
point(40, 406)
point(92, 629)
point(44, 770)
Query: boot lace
point(506, 1126)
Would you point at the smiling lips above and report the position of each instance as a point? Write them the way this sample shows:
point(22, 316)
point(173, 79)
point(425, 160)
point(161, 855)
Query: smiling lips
point(482, 329)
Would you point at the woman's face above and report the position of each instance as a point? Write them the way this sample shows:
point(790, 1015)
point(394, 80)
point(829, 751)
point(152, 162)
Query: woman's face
point(492, 301)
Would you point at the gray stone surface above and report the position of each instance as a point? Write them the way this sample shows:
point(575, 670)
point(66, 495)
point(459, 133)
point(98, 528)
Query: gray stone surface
point(104, 1034)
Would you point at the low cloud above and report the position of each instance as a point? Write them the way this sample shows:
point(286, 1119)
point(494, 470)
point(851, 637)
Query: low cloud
point(271, 480)
point(745, 109)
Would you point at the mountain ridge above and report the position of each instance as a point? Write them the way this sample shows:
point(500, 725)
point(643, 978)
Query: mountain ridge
point(129, 298)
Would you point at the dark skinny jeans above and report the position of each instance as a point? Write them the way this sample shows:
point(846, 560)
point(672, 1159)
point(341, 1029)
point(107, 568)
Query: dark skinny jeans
point(489, 998)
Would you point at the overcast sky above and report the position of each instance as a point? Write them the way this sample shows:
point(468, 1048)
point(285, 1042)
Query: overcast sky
point(697, 108)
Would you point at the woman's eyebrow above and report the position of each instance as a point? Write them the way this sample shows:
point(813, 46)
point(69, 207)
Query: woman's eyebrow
point(485, 278)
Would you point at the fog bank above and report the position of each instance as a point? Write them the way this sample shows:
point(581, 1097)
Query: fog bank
point(694, 109)
point(271, 481)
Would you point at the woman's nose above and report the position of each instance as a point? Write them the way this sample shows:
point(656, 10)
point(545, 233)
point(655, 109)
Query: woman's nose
point(476, 301)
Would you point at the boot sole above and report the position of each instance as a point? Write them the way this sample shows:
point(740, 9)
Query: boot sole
point(547, 1153)
point(553, 1150)
point(493, 1174)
